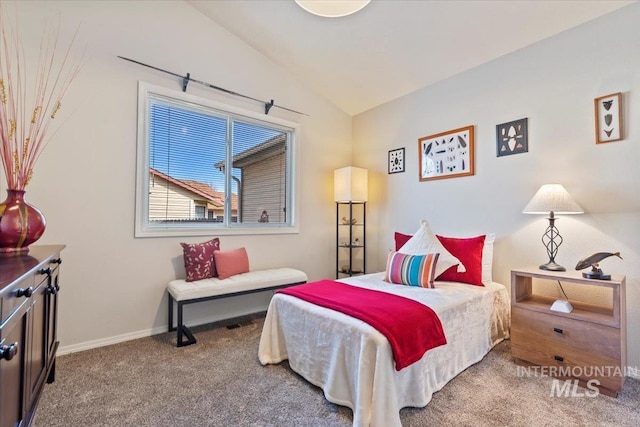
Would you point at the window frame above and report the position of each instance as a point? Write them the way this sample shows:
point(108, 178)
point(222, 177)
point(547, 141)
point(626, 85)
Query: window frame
point(144, 228)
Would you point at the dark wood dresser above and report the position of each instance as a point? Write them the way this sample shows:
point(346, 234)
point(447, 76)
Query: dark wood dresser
point(29, 286)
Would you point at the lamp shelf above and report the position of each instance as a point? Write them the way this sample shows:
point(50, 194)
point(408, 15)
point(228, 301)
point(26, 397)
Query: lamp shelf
point(350, 193)
point(350, 257)
point(523, 295)
point(587, 312)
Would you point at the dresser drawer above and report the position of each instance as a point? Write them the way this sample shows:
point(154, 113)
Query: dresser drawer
point(13, 296)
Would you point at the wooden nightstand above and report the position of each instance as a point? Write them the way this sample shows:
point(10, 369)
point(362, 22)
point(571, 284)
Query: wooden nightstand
point(589, 343)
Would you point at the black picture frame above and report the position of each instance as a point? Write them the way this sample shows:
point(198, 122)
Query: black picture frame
point(512, 138)
point(396, 160)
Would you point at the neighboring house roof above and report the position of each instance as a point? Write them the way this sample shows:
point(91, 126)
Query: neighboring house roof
point(215, 199)
point(218, 196)
point(269, 148)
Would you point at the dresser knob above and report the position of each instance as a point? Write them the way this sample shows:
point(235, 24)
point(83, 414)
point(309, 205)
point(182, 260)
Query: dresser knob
point(56, 261)
point(46, 271)
point(8, 351)
point(559, 358)
point(558, 330)
point(24, 292)
point(52, 290)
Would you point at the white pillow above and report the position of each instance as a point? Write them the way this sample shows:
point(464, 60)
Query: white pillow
point(487, 258)
point(425, 242)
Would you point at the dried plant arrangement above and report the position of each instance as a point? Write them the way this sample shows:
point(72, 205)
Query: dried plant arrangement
point(30, 98)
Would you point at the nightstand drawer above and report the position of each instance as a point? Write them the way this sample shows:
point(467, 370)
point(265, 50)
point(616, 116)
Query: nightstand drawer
point(608, 372)
point(549, 330)
point(549, 340)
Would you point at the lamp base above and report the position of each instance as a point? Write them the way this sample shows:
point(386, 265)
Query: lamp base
point(562, 306)
point(552, 266)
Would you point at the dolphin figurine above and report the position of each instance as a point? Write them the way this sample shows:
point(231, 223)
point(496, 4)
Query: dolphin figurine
point(594, 259)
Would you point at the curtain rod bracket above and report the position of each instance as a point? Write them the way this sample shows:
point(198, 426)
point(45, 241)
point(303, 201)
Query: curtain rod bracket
point(185, 82)
point(267, 106)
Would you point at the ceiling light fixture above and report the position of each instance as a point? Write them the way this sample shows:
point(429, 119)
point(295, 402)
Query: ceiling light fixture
point(332, 8)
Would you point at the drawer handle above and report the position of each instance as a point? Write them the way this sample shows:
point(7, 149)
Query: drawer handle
point(24, 292)
point(46, 271)
point(56, 261)
point(52, 290)
point(559, 358)
point(7, 352)
point(558, 330)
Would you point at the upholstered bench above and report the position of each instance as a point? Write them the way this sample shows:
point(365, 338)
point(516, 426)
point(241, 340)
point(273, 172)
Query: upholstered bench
point(184, 292)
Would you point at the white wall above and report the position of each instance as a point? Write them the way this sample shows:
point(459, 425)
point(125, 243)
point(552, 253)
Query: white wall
point(113, 284)
point(553, 83)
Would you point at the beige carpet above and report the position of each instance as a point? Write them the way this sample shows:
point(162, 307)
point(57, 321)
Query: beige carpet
point(219, 382)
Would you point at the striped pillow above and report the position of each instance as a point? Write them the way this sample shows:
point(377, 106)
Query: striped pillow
point(412, 270)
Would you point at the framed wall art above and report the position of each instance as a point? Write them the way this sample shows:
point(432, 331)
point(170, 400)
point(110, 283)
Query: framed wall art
point(512, 138)
point(608, 118)
point(396, 160)
point(446, 155)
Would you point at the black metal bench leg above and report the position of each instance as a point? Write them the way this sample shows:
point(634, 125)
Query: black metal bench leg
point(170, 303)
point(183, 330)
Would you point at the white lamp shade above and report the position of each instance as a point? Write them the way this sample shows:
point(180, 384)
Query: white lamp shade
point(552, 198)
point(350, 184)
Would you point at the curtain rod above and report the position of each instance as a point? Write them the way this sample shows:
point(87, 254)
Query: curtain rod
point(186, 79)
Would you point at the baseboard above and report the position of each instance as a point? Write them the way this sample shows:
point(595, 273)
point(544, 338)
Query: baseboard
point(88, 345)
point(633, 372)
point(213, 322)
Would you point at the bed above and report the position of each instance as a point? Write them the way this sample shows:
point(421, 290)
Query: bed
point(353, 363)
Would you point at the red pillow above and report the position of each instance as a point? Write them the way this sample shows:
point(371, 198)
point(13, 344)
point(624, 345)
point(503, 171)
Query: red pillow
point(232, 262)
point(469, 252)
point(198, 259)
point(401, 239)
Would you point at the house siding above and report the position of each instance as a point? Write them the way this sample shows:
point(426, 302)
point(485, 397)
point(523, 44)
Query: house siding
point(264, 189)
point(169, 202)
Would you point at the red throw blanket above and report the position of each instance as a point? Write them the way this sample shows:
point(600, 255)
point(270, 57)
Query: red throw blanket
point(411, 328)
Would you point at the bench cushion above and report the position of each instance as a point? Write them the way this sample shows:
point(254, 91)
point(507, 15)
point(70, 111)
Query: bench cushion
point(182, 290)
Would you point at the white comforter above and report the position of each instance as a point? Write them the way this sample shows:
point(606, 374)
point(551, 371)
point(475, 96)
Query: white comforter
point(353, 363)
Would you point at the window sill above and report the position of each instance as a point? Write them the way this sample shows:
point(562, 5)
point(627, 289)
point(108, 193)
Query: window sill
point(159, 231)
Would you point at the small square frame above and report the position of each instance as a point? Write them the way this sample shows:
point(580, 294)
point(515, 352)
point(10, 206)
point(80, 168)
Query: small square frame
point(396, 160)
point(446, 155)
point(512, 137)
point(608, 111)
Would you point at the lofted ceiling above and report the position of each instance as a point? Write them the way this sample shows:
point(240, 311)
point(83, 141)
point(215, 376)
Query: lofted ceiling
point(393, 47)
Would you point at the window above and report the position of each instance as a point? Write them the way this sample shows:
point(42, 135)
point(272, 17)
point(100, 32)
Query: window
point(205, 168)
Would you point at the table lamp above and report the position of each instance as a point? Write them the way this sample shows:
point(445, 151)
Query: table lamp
point(552, 199)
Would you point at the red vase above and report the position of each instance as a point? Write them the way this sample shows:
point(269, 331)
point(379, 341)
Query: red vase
point(20, 223)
